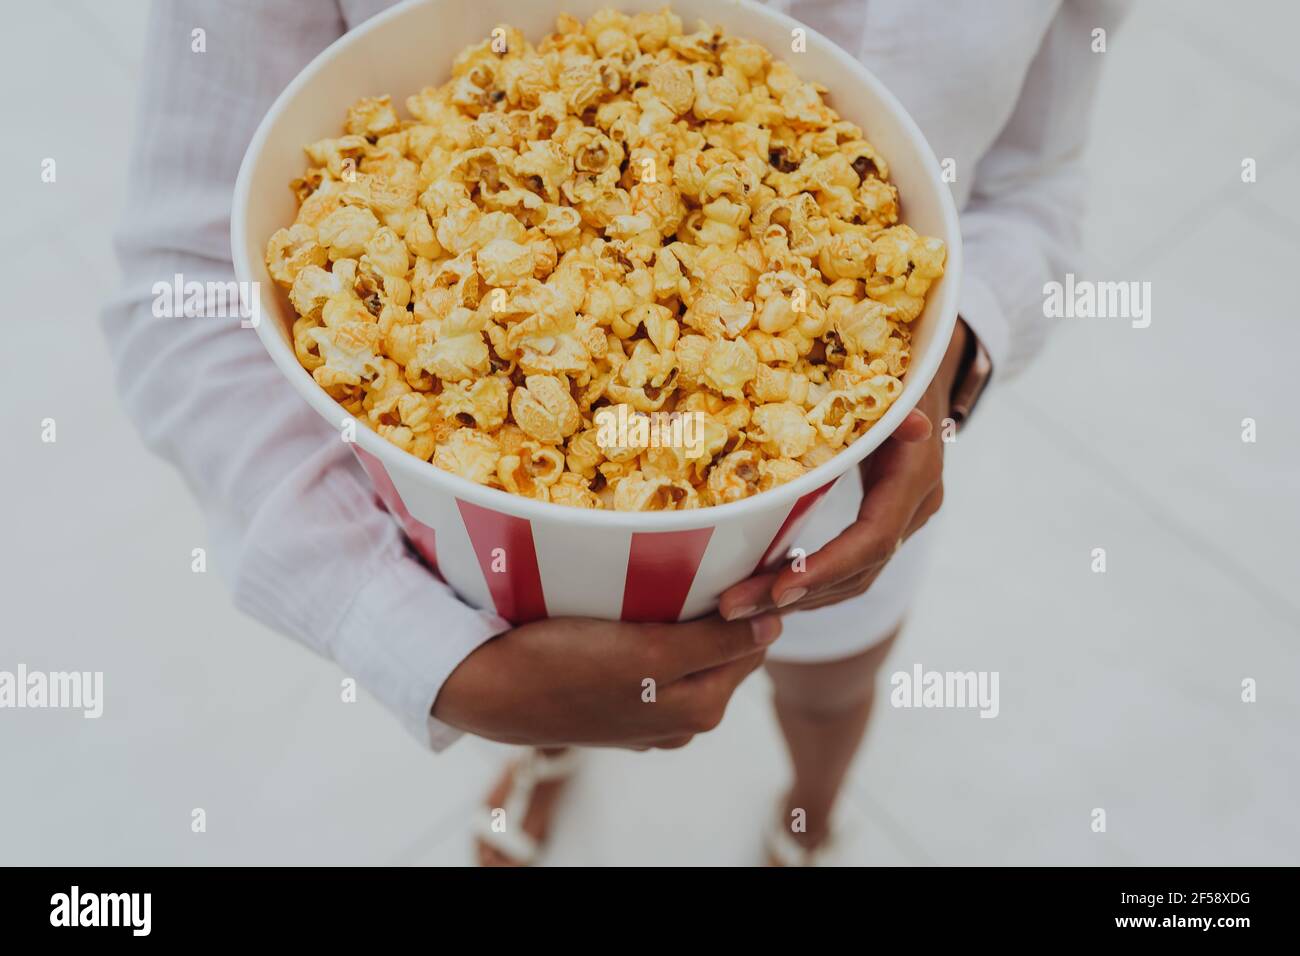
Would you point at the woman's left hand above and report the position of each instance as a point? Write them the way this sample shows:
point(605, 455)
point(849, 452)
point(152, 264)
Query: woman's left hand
point(902, 485)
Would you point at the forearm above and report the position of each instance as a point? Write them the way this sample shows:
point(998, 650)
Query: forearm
point(1022, 226)
point(296, 530)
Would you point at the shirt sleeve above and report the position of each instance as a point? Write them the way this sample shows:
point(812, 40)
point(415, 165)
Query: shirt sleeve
point(1022, 225)
point(297, 531)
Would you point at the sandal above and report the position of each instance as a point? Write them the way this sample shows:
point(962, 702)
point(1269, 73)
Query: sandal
point(785, 850)
point(513, 842)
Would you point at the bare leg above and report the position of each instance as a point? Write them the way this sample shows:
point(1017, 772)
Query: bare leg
point(823, 710)
point(537, 819)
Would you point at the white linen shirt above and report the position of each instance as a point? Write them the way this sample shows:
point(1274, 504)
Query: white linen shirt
point(1003, 87)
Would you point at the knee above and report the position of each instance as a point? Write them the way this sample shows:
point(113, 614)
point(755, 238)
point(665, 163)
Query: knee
point(817, 691)
point(826, 704)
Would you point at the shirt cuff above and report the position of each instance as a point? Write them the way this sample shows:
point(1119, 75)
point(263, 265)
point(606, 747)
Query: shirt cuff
point(979, 309)
point(403, 635)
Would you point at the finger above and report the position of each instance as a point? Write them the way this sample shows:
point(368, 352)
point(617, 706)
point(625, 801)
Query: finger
point(719, 682)
point(869, 542)
point(863, 547)
point(697, 703)
point(856, 584)
point(843, 591)
point(915, 427)
point(928, 509)
point(747, 598)
point(754, 595)
point(693, 646)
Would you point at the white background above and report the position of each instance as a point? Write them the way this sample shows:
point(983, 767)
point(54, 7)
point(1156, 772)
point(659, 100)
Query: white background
point(1119, 691)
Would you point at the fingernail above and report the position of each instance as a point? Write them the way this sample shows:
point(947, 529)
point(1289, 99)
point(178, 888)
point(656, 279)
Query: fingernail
point(766, 629)
point(740, 613)
point(789, 597)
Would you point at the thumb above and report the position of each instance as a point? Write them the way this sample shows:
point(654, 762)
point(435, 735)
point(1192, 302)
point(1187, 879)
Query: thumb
point(915, 427)
point(693, 646)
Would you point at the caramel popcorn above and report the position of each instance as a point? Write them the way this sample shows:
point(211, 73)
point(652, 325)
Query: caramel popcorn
point(625, 218)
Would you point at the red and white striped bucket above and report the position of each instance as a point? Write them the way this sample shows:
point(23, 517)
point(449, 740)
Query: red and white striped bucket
point(529, 568)
point(530, 559)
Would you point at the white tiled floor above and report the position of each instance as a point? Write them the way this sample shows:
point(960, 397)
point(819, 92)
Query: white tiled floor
point(1119, 691)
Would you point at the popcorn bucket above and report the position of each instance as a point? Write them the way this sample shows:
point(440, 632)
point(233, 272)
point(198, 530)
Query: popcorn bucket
point(529, 559)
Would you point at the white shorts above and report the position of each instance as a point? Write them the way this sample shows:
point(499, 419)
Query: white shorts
point(851, 627)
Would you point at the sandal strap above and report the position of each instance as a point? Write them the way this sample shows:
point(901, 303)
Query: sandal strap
point(532, 768)
point(539, 767)
point(788, 851)
point(514, 842)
